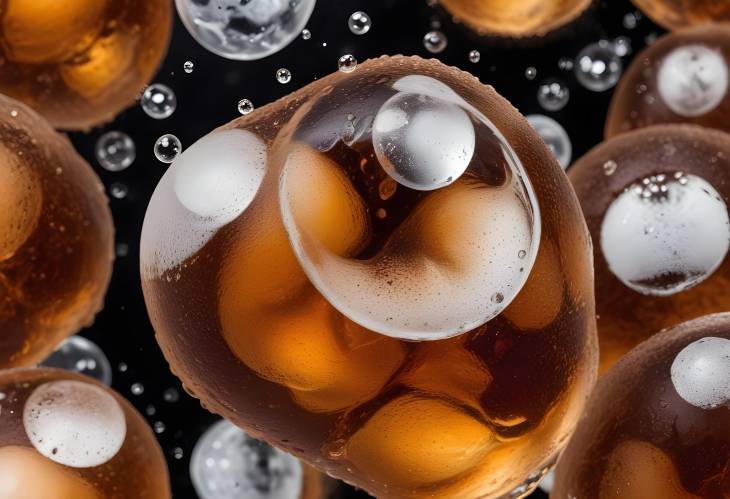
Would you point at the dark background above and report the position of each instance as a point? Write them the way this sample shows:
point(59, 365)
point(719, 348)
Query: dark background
point(208, 97)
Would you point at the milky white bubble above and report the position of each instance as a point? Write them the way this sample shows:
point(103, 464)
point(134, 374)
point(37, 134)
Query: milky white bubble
point(693, 80)
point(74, 423)
point(701, 372)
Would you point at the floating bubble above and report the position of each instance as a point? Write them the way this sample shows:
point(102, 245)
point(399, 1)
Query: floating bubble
point(530, 73)
point(474, 56)
point(167, 148)
point(347, 63)
point(622, 46)
point(228, 464)
point(359, 23)
point(158, 101)
point(115, 151)
point(306, 34)
point(188, 67)
point(554, 136)
point(701, 373)
point(246, 30)
point(83, 356)
point(597, 67)
point(553, 95)
point(283, 75)
point(245, 106)
point(435, 42)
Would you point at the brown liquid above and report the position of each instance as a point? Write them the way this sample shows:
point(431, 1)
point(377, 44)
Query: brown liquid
point(137, 470)
point(627, 317)
point(56, 238)
point(638, 103)
point(640, 439)
point(674, 14)
point(80, 62)
point(249, 334)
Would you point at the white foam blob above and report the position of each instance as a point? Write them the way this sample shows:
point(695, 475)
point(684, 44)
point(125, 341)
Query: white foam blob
point(554, 136)
point(693, 80)
point(665, 233)
point(208, 186)
point(74, 423)
point(548, 482)
point(701, 373)
point(423, 142)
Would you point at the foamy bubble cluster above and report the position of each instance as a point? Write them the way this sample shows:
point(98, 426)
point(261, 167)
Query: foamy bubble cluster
point(701, 373)
point(693, 80)
point(74, 423)
point(210, 185)
point(665, 233)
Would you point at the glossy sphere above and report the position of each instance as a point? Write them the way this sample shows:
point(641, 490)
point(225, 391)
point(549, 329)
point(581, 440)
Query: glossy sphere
point(284, 278)
point(656, 205)
point(56, 238)
point(674, 14)
point(66, 436)
point(683, 77)
point(515, 19)
point(656, 425)
point(80, 62)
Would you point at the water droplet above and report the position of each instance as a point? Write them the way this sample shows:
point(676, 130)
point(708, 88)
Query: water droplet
point(553, 95)
point(167, 148)
point(245, 106)
point(115, 151)
point(359, 23)
point(609, 167)
point(188, 67)
point(159, 101)
point(435, 42)
point(283, 75)
point(306, 34)
point(598, 68)
point(347, 63)
point(118, 190)
point(474, 56)
point(530, 73)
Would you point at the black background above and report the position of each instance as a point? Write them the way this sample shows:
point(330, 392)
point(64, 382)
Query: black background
point(208, 97)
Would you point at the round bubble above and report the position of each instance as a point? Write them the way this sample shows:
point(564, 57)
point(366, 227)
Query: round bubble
point(359, 23)
point(115, 151)
point(167, 148)
point(246, 30)
point(701, 372)
point(83, 356)
point(555, 137)
point(693, 80)
point(74, 423)
point(597, 66)
point(665, 233)
point(158, 101)
point(553, 95)
point(228, 464)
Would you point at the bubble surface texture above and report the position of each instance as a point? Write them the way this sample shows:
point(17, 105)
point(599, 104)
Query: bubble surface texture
point(701, 373)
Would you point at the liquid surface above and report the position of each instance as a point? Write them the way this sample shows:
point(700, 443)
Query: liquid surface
point(675, 14)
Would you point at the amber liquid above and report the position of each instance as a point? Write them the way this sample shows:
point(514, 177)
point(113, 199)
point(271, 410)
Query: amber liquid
point(674, 14)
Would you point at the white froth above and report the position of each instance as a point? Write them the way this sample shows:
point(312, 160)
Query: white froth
point(701, 373)
point(693, 80)
point(665, 234)
point(210, 185)
point(425, 85)
point(74, 423)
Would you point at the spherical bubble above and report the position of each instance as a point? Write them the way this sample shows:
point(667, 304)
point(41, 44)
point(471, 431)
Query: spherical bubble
point(80, 355)
point(188, 67)
point(74, 423)
point(474, 56)
point(424, 143)
point(359, 23)
point(245, 30)
point(167, 148)
point(228, 464)
point(597, 67)
point(158, 101)
point(435, 42)
point(553, 95)
point(283, 75)
point(245, 106)
point(665, 233)
point(701, 372)
point(693, 80)
point(347, 63)
point(115, 151)
point(554, 136)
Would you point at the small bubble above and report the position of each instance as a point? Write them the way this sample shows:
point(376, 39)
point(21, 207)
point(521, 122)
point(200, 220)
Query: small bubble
point(359, 23)
point(14, 113)
point(159, 427)
point(122, 367)
point(435, 42)
point(521, 254)
point(159, 101)
point(150, 410)
point(137, 389)
point(118, 190)
point(283, 75)
point(188, 67)
point(245, 106)
point(622, 46)
point(530, 73)
point(347, 63)
point(122, 250)
point(630, 20)
point(306, 34)
point(565, 64)
point(474, 56)
point(167, 148)
point(609, 167)
point(553, 95)
point(177, 453)
point(171, 395)
point(115, 151)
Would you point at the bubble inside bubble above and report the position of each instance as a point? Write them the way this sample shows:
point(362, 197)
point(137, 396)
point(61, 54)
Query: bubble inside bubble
point(701, 372)
point(693, 80)
point(665, 233)
point(74, 423)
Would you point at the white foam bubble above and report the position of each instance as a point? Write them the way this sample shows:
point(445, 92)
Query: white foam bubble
point(701, 372)
point(665, 233)
point(693, 80)
point(211, 184)
point(74, 423)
